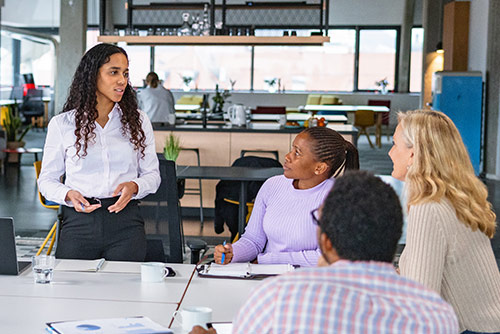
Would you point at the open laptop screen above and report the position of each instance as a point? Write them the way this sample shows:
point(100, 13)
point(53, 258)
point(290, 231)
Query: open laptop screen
point(8, 255)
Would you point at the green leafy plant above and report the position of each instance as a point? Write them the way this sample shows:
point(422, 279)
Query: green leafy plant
point(12, 125)
point(271, 82)
point(172, 147)
point(219, 98)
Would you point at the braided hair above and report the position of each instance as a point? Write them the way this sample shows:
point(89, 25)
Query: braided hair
point(82, 98)
point(330, 147)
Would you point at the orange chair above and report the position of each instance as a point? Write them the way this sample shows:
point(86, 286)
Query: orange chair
point(363, 119)
point(53, 231)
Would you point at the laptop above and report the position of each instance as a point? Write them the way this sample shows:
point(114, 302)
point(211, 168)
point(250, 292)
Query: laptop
point(8, 256)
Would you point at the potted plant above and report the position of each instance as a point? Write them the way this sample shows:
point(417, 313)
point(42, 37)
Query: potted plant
point(172, 147)
point(186, 80)
point(12, 125)
point(271, 84)
point(383, 85)
point(219, 99)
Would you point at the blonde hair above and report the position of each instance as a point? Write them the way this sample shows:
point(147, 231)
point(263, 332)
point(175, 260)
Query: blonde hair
point(442, 168)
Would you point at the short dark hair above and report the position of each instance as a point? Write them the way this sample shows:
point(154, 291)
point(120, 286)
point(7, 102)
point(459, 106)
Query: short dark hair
point(362, 217)
point(330, 147)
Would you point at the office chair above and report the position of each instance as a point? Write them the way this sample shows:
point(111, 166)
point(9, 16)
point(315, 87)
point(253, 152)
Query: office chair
point(52, 235)
point(363, 119)
point(33, 108)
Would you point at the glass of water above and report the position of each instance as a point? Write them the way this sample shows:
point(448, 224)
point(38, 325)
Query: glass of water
point(43, 267)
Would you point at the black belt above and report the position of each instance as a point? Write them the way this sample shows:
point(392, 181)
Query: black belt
point(108, 201)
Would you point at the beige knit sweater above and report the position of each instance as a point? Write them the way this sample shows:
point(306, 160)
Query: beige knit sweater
point(447, 256)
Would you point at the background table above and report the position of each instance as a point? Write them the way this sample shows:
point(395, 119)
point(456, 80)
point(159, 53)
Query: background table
point(100, 286)
point(24, 314)
point(240, 174)
point(378, 110)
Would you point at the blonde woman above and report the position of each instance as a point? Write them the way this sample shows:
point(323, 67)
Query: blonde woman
point(450, 221)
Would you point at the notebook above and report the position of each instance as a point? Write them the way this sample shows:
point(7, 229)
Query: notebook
point(243, 270)
point(8, 256)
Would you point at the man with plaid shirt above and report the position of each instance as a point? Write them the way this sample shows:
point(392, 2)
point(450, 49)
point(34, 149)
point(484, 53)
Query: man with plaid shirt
point(355, 288)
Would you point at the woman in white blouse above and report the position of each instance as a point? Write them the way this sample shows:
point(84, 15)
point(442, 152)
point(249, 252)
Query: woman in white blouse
point(104, 146)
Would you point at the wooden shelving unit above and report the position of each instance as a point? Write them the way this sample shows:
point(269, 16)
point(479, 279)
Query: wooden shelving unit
point(215, 40)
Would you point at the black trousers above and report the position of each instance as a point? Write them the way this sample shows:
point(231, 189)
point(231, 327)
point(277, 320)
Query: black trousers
point(101, 234)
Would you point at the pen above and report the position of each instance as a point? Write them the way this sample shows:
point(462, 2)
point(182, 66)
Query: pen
point(223, 254)
point(83, 207)
point(99, 265)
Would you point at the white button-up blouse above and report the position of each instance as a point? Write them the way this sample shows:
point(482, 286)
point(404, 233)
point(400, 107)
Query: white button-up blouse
point(110, 160)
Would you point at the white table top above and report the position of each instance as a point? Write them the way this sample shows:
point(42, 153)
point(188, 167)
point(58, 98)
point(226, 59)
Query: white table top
point(224, 296)
point(100, 286)
point(297, 117)
point(346, 108)
point(24, 314)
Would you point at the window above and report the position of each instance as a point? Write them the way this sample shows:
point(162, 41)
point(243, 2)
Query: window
point(205, 65)
point(38, 58)
point(417, 42)
point(307, 68)
point(377, 58)
point(139, 61)
point(7, 70)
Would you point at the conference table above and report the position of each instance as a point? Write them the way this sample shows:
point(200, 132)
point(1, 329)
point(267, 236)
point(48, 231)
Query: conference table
point(25, 307)
point(243, 175)
point(378, 110)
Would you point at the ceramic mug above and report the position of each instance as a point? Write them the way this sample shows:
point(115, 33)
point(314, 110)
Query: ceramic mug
point(153, 272)
point(191, 316)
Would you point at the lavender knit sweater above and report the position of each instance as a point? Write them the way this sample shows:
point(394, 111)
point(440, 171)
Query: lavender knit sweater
point(281, 229)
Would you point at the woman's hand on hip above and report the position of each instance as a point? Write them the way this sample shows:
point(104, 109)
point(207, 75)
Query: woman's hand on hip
point(126, 190)
point(223, 249)
point(79, 202)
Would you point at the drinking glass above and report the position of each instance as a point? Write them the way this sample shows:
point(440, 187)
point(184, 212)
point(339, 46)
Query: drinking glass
point(43, 267)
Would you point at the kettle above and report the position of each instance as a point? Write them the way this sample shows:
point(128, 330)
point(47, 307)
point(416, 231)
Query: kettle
point(237, 115)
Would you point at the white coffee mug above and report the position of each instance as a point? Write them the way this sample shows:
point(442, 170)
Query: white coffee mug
point(192, 316)
point(153, 272)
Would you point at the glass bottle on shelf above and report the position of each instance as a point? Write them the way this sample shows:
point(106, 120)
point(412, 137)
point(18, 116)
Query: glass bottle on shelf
point(185, 29)
point(206, 24)
point(195, 26)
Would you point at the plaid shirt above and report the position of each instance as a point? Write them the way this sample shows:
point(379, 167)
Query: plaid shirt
point(346, 297)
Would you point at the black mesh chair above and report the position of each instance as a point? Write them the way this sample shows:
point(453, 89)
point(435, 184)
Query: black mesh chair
point(166, 207)
point(33, 107)
point(227, 195)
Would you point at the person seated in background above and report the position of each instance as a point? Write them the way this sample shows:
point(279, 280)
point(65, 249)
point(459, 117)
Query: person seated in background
point(157, 101)
point(280, 229)
point(450, 220)
point(355, 288)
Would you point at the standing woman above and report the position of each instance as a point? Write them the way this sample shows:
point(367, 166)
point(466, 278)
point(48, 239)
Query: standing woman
point(281, 228)
point(450, 220)
point(157, 101)
point(105, 148)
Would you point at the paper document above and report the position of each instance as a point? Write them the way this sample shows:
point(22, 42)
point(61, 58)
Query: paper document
point(244, 270)
point(79, 265)
point(135, 325)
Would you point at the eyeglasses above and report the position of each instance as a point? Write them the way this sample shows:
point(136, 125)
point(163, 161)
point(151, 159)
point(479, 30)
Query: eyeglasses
point(315, 216)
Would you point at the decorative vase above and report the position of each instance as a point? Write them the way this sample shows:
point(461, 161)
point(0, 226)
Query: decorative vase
point(186, 88)
point(12, 145)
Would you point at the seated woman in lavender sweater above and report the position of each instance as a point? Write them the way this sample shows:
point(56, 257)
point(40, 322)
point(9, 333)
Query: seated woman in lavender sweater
point(281, 229)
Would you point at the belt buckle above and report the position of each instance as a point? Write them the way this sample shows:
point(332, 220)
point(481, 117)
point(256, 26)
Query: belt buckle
point(94, 200)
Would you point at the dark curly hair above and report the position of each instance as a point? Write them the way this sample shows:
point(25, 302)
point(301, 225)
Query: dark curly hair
point(82, 98)
point(362, 217)
point(330, 147)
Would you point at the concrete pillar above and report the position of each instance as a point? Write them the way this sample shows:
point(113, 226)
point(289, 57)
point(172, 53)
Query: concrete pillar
point(405, 47)
point(432, 16)
point(73, 34)
point(492, 103)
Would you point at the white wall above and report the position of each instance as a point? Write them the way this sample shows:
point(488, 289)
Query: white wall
point(478, 35)
point(41, 13)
